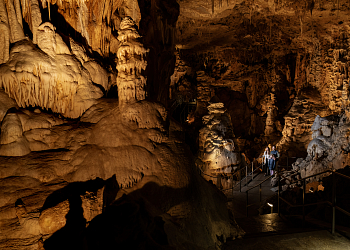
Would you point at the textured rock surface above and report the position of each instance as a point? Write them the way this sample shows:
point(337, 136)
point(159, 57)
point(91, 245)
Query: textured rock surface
point(217, 154)
point(50, 78)
point(131, 61)
point(85, 169)
point(12, 140)
point(328, 149)
point(275, 66)
point(261, 59)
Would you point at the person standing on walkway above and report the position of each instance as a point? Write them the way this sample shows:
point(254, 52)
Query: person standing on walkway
point(276, 153)
point(265, 161)
point(272, 164)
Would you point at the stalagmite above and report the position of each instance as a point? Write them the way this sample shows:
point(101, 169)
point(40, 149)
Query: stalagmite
point(217, 152)
point(131, 53)
point(12, 141)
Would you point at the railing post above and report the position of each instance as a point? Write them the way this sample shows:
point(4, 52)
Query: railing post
point(304, 202)
point(253, 169)
point(246, 203)
point(278, 192)
point(260, 195)
point(246, 175)
point(333, 202)
point(240, 180)
point(232, 186)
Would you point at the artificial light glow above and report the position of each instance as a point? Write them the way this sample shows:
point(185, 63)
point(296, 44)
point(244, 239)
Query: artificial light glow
point(271, 205)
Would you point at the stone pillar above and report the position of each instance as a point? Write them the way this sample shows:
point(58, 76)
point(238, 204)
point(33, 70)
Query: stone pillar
point(131, 53)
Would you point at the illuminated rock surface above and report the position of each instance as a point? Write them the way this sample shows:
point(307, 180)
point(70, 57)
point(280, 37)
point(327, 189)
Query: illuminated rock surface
point(121, 151)
point(217, 154)
point(279, 69)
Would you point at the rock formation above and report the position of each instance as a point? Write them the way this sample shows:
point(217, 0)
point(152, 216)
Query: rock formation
point(131, 62)
point(328, 150)
point(125, 145)
point(120, 165)
point(217, 154)
point(49, 77)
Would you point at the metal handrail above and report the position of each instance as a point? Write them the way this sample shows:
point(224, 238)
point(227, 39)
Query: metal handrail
point(261, 201)
point(235, 173)
point(333, 203)
point(310, 176)
point(247, 191)
point(259, 183)
point(310, 204)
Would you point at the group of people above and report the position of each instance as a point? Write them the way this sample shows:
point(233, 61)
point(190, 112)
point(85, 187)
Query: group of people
point(270, 160)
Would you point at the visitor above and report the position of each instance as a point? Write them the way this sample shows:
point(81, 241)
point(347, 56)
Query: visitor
point(265, 161)
point(275, 152)
point(272, 164)
point(277, 155)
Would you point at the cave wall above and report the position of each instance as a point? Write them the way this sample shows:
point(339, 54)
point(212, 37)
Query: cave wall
point(276, 65)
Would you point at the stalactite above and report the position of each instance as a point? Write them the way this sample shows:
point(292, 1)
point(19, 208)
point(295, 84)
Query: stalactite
point(4, 34)
point(35, 18)
point(15, 27)
point(18, 12)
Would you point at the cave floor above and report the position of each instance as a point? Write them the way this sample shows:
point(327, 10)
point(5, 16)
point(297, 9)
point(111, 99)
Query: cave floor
point(237, 199)
point(321, 239)
point(270, 231)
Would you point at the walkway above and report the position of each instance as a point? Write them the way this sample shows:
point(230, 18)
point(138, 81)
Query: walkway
point(238, 199)
point(270, 231)
point(316, 240)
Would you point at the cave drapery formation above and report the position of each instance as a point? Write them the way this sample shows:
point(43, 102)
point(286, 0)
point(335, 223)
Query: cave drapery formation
point(106, 105)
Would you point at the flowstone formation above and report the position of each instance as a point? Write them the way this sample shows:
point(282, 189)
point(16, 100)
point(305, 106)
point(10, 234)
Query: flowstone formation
point(106, 173)
point(48, 76)
point(217, 154)
point(297, 133)
point(131, 61)
point(112, 176)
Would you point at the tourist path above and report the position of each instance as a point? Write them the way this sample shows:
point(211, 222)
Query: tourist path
point(271, 231)
point(237, 199)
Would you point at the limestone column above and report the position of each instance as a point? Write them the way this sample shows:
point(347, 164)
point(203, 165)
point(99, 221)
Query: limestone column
point(131, 61)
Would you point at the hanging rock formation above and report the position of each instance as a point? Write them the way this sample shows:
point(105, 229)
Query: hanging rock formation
point(15, 21)
point(50, 78)
point(4, 34)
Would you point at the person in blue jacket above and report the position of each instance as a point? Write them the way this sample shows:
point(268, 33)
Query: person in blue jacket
point(272, 164)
